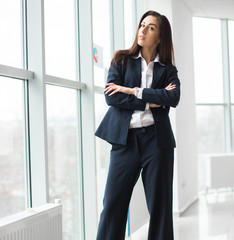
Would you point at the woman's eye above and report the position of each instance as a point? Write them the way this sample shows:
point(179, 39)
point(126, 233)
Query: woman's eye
point(142, 25)
point(151, 28)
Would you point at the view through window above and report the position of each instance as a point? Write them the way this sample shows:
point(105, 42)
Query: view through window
point(209, 88)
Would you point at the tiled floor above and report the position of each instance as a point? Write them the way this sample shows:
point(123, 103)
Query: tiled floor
point(210, 218)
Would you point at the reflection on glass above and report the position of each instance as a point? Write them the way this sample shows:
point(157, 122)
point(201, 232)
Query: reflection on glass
point(12, 147)
point(11, 33)
point(60, 45)
point(101, 38)
point(231, 56)
point(102, 151)
point(210, 136)
point(63, 156)
point(208, 60)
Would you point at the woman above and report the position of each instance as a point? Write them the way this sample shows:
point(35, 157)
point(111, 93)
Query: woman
point(142, 85)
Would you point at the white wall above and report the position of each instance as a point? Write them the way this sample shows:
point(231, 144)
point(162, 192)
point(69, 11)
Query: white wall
point(183, 118)
point(187, 183)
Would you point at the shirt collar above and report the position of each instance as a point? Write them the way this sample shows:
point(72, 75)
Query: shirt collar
point(155, 60)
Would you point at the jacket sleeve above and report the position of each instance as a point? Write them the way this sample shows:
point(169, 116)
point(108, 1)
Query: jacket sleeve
point(122, 100)
point(163, 96)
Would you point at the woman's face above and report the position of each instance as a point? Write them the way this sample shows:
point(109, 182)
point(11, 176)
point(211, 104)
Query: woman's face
point(148, 33)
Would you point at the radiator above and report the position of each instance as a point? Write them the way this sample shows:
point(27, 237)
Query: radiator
point(41, 223)
point(219, 171)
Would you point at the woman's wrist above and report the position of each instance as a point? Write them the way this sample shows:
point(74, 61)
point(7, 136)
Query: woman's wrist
point(131, 91)
point(136, 91)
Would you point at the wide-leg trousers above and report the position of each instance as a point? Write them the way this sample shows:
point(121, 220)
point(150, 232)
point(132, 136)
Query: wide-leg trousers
point(139, 156)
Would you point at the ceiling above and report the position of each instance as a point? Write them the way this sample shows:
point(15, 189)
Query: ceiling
point(211, 8)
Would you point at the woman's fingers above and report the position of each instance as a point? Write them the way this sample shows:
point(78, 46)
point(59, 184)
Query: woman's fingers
point(113, 92)
point(170, 87)
point(107, 90)
point(113, 88)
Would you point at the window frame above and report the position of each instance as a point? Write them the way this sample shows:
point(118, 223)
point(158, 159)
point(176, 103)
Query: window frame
point(226, 88)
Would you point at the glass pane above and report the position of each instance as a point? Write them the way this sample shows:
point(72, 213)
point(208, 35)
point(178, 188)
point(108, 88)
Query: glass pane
point(210, 136)
point(60, 38)
point(233, 127)
point(208, 60)
point(231, 54)
point(11, 33)
point(210, 128)
point(129, 23)
point(12, 147)
point(64, 172)
point(101, 40)
point(102, 151)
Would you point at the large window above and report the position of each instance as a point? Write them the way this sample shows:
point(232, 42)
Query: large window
point(60, 38)
point(11, 33)
point(212, 83)
point(208, 61)
point(45, 42)
point(63, 154)
point(13, 154)
point(12, 147)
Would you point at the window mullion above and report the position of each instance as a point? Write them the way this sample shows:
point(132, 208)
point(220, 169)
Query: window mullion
point(226, 85)
point(37, 100)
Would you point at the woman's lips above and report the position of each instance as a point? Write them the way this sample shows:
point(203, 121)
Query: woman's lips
point(141, 37)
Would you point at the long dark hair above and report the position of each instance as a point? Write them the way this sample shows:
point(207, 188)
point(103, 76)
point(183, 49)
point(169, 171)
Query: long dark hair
point(164, 49)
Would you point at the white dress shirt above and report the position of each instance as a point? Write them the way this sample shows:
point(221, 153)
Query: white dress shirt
point(144, 118)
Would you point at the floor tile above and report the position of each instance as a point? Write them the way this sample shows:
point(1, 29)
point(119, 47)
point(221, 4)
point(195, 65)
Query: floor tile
point(210, 218)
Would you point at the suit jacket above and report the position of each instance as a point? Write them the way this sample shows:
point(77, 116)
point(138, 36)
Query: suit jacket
point(115, 124)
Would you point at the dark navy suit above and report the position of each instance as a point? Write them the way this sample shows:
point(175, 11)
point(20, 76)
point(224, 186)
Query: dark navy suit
point(149, 151)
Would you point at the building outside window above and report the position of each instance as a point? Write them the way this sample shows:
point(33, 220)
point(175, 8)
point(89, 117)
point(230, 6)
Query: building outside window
point(212, 92)
point(13, 165)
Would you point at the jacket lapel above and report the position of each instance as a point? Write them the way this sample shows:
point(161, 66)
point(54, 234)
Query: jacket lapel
point(157, 73)
point(135, 65)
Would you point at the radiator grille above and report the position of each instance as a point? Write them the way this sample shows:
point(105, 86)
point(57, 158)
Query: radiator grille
point(44, 223)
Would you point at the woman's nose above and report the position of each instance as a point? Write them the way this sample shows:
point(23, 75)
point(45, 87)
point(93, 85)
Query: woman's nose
point(144, 30)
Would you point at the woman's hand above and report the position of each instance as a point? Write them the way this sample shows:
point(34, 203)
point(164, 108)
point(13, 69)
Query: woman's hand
point(168, 88)
point(114, 88)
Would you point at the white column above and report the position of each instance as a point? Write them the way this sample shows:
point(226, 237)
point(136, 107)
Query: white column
point(186, 157)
